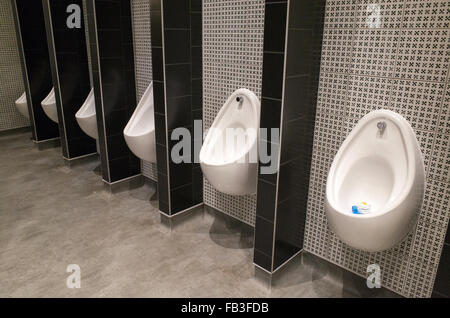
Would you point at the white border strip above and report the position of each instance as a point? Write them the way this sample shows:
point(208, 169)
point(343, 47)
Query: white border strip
point(165, 109)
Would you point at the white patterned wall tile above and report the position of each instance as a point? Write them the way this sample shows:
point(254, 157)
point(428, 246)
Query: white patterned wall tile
point(428, 241)
point(317, 187)
point(440, 160)
point(317, 237)
point(367, 93)
point(419, 280)
point(332, 96)
point(233, 33)
point(10, 72)
point(423, 54)
point(142, 62)
point(240, 207)
point(336, 50)
point(86, 32)
point(394, 263)
point(328, 133)
point(419, 102)
point(374, 51)
point(435, 208)
point(352, 259)
point(444, 120)
point(386, 14)
point(349, 124)
point(425, 255)
point(425, 139)
point(427, 14)
point(142, 45)
point(340, 14)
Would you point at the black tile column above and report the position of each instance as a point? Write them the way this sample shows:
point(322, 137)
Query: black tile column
point(442, 281)
point(176, 31)
point(196, 95)
point(70, 73)
point(37, 78)
point(292, 48)
point(111, 47)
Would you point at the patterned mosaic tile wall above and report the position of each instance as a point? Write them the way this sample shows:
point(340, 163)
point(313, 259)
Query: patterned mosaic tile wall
point(87, 41)
point(142, 61)
point(232, 59)
point(403, 66)
point(10, 72)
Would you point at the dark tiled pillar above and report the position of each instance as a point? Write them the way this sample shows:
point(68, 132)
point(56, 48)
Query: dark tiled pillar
point(196, 93)
point(177, 81)
point(37, 78)
point(70, 73)
point(442, 281)
point(292, 48)
point(111, 47)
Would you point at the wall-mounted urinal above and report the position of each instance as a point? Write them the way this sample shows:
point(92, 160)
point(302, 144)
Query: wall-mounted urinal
point(49, 106)
point(140, 131)
point(228, 164)
point(375, 186)
point(86, 118)
point(22, 106)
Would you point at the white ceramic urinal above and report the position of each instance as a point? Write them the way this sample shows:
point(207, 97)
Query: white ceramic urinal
point(22, 106)
point(229, 155)
point(86, 118)
point(49, 106)
point(375, 185)
point(140, 131)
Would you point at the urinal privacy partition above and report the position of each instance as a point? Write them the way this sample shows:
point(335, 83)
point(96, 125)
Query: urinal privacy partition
point(176, 33)
point(291, 63)
point(441, 286)
point(35, 61)
point(111, 51)
point(70, 74)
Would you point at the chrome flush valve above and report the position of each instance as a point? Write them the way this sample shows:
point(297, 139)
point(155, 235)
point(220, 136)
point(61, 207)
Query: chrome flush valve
point(240, 100)
point(381, 125)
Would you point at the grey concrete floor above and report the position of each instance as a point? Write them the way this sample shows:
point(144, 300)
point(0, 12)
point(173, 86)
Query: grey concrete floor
point(52, 215)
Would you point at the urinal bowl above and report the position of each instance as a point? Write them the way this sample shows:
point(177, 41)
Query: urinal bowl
point(88, 124)
point(378, 232)
point(86, 116)
point(143, 146)
point(383, 168)
point(22, 106)
point(49, 106)
point(232, 178)
point(139, 132)
point(233, 168)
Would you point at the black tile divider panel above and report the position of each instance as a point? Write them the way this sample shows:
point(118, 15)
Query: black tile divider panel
point(176, 63)
point(32, 40)
point(111, 47)
point(159, 100)
point(70, 73)
point(289, 93)
point(442, 281)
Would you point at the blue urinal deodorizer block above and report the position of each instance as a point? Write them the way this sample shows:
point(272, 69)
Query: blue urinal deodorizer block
point(355, 209)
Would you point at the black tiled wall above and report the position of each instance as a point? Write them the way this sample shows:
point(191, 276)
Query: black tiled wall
point(289, 94)
point(196, 93)
point(111, 47)
point(70, 72)
point(32, 40)
point(442, 281)
point(177, 78)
